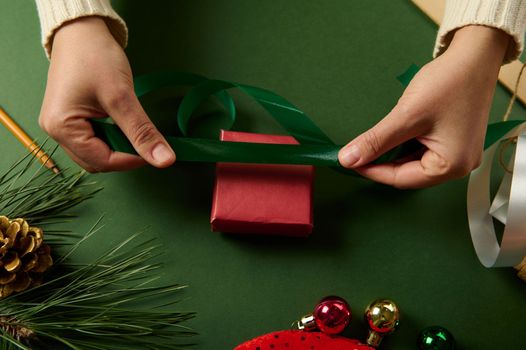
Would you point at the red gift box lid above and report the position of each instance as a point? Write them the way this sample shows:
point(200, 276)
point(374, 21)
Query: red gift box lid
point(262, 198)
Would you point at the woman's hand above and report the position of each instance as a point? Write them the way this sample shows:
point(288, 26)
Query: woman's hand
point(89, 77)
point(445, 108)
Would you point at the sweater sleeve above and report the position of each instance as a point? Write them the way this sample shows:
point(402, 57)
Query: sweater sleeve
point(54, 13)
point(506, 15)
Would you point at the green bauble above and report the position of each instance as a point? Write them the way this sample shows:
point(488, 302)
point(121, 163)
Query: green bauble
point(435, 338)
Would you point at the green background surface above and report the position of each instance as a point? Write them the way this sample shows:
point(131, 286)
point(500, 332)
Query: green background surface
point(337, 60)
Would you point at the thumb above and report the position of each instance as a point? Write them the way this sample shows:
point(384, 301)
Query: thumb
point(127, 112)
point(393, 130)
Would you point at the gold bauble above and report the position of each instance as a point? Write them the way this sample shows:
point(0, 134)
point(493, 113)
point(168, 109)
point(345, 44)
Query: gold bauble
point(382, 317)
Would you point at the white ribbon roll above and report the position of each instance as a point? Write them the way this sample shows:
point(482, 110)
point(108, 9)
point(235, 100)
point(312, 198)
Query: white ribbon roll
point(508, 206)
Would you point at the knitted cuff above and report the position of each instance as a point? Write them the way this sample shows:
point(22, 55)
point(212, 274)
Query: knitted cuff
point(54, 13)
point(506, 15)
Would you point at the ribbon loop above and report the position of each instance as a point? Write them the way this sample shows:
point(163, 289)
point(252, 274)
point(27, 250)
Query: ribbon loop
point(509, 205)
point(315, 148)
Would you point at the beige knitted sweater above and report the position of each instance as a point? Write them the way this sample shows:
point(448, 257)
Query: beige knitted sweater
point(55, 13)
point(507, 15)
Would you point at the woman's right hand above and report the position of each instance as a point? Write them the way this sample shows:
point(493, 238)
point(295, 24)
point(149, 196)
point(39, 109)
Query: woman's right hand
point(90, 77)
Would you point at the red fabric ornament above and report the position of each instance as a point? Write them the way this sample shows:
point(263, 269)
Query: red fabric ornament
point(300, 340)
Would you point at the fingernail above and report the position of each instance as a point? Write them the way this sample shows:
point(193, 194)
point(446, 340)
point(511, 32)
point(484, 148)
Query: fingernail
point(162, 154)
point(350, 156)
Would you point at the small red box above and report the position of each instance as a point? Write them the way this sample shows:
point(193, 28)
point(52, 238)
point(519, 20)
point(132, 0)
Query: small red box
point(262, 198)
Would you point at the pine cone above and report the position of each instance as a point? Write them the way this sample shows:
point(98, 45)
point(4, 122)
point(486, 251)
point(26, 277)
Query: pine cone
point(24, 256)
point(521, 268)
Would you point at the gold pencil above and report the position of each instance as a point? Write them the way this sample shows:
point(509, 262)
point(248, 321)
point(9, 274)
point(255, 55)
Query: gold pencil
point(31, 145)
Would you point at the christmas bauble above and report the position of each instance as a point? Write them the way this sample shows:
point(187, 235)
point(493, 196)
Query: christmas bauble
point(301, 340)
point(332, 315)
point(382, 317)
point(435, 338)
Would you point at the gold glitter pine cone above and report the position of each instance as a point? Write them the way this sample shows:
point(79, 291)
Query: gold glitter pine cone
point(24, 256)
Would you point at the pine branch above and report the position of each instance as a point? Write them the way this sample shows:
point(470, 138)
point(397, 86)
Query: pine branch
point(88, 307)
point(97, 305)
point(30, 191)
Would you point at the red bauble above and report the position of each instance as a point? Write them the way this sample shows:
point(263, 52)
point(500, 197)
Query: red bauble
point(301, 340)
point(332, 315)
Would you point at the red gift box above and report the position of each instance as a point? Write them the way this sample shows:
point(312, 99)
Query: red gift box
point(262, 198)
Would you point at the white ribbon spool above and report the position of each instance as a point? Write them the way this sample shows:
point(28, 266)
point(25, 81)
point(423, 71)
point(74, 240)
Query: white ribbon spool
point(508, 206)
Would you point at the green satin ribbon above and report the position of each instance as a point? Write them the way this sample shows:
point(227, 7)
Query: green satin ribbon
point(315, 148)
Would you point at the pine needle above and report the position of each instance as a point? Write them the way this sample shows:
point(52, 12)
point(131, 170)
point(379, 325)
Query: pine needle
point(112, 302)
point(30, 191)
point(87, 307)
